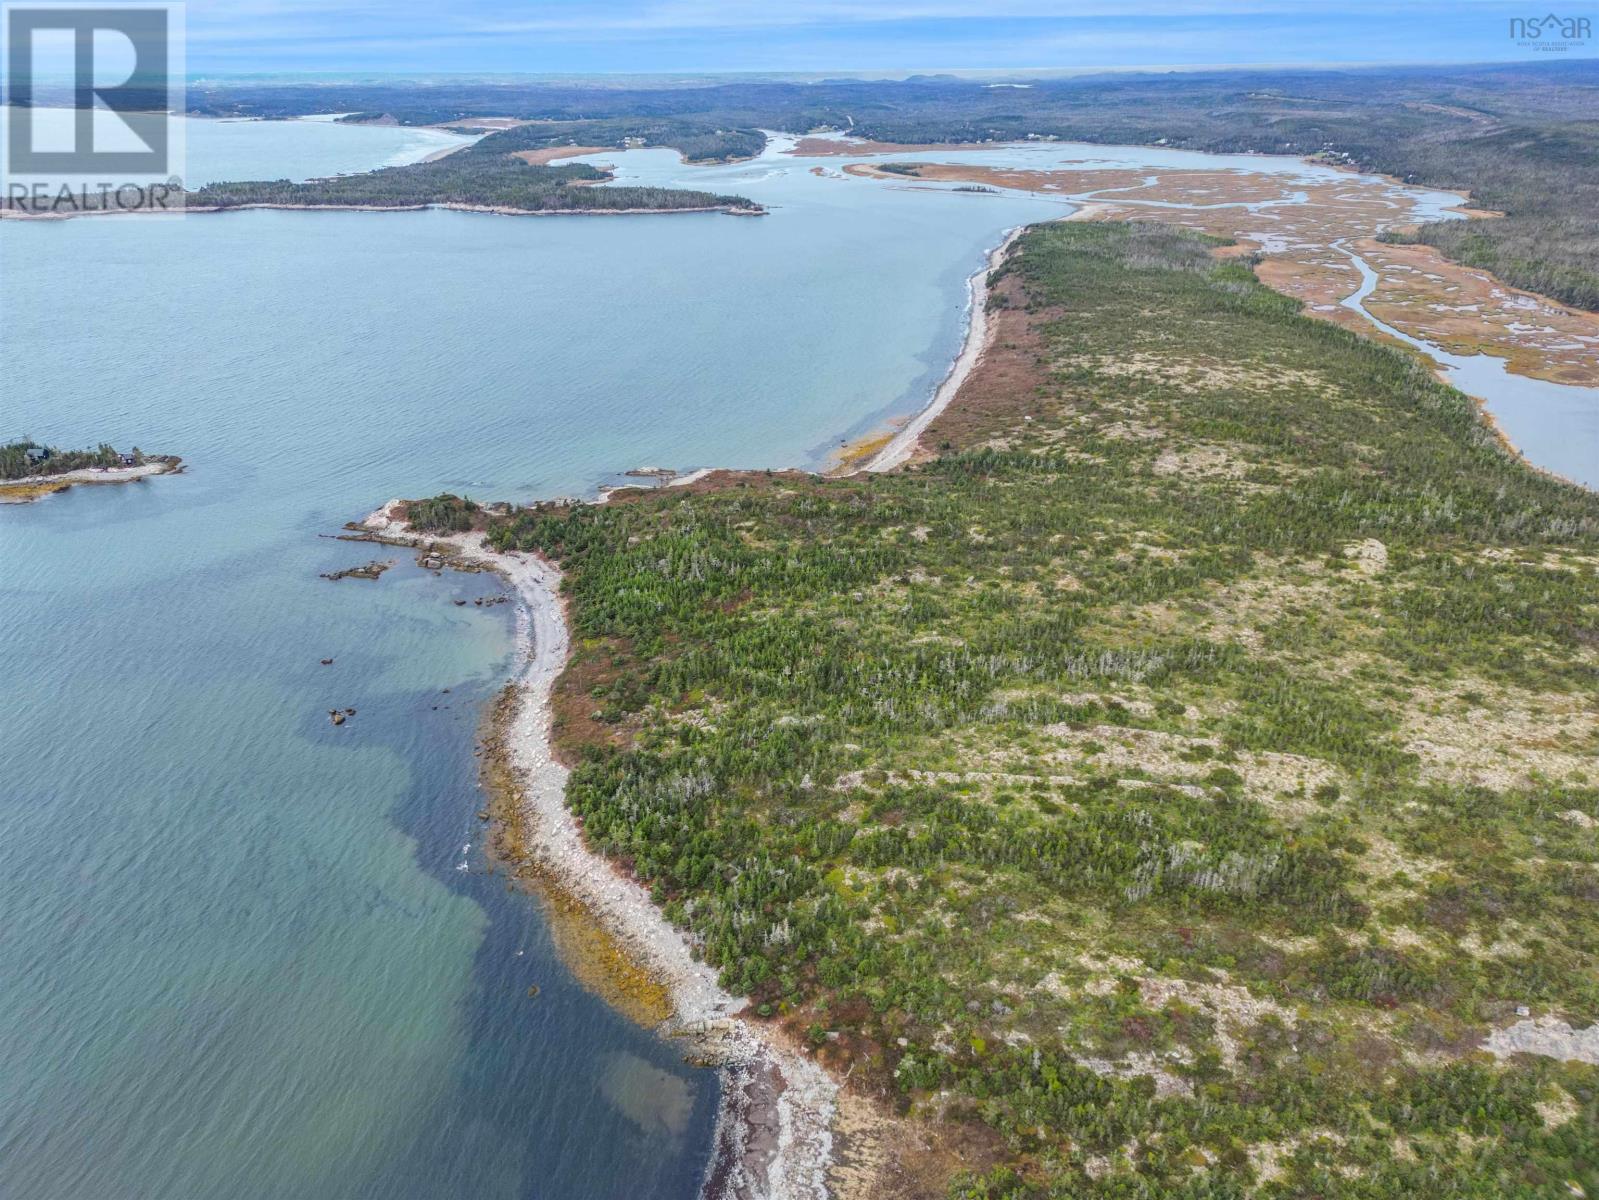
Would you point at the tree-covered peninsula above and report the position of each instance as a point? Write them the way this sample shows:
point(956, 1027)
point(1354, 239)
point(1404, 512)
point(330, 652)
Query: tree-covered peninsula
point(1179, 784)
point(1520, 137)
point(30, 470)
point(24, 459)
point(484, 175)
point(487, 175)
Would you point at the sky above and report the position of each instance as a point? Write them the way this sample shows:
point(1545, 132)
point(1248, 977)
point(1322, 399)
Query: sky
point(890, 36)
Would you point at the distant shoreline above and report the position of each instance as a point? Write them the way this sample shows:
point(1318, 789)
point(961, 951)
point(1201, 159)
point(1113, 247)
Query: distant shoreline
point(732, 210)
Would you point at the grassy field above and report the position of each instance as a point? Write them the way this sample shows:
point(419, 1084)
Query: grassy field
point(1166, 787)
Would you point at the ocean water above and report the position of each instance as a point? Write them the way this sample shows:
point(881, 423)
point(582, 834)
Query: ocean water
point(310, 148)
point(250, 954)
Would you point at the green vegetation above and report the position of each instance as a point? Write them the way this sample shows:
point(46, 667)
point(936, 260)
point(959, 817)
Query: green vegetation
point(1551, 248)
point(1521, 138)
point(694, 141)
point(15, 462)
point(485, 174)
point(1170, 783)
point(444, 513)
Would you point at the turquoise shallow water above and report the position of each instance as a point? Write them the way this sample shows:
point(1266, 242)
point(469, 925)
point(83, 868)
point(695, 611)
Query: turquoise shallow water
point(249, 954)
point(240, 955)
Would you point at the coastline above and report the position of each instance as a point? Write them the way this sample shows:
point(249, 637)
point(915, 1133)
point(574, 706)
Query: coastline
point(1497, 431)
point(780, 1129)
point(729, 209)
point(782, 1124)
point(36, 487)
point(444, 152)
point(979, 333)
point(776, 1120)
point(773, 1138)
point(1433, 359)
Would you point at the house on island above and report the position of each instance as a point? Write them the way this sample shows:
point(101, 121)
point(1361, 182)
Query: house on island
point(37, 454)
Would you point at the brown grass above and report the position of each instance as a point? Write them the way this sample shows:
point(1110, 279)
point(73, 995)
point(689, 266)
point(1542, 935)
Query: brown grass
point(1461, 308)
point(1004, 386)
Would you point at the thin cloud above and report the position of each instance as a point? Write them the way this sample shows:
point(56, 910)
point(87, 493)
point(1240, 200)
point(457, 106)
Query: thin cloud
point(803, 35)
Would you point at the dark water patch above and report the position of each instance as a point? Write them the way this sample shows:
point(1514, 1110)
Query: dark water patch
point(564, 1096)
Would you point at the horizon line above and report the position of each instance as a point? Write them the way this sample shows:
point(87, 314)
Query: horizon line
point(898, 74)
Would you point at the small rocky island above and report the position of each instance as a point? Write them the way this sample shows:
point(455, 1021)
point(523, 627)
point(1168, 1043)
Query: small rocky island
point(29, 470)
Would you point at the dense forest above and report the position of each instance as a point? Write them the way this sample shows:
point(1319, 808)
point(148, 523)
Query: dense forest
point(444, 513)
point(1165, 788)
point(695, 142)
point(485, 174)
point(1523, 139)
point(15, 463)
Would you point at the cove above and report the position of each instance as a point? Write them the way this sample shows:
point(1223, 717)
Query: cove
point(250, 953)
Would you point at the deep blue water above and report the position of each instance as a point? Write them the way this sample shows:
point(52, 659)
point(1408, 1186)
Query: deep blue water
point(240, 956)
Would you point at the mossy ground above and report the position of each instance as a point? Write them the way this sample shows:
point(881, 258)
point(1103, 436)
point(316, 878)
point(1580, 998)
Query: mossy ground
point(1173, 780)
point(22, 493)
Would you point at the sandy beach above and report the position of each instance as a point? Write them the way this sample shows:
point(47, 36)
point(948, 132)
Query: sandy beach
point(773, 1138)
point(903, 444)
point(444, 152)
point(549, 154)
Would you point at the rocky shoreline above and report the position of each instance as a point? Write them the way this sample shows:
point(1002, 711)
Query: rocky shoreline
point(773, 1137)
point(36, 487)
